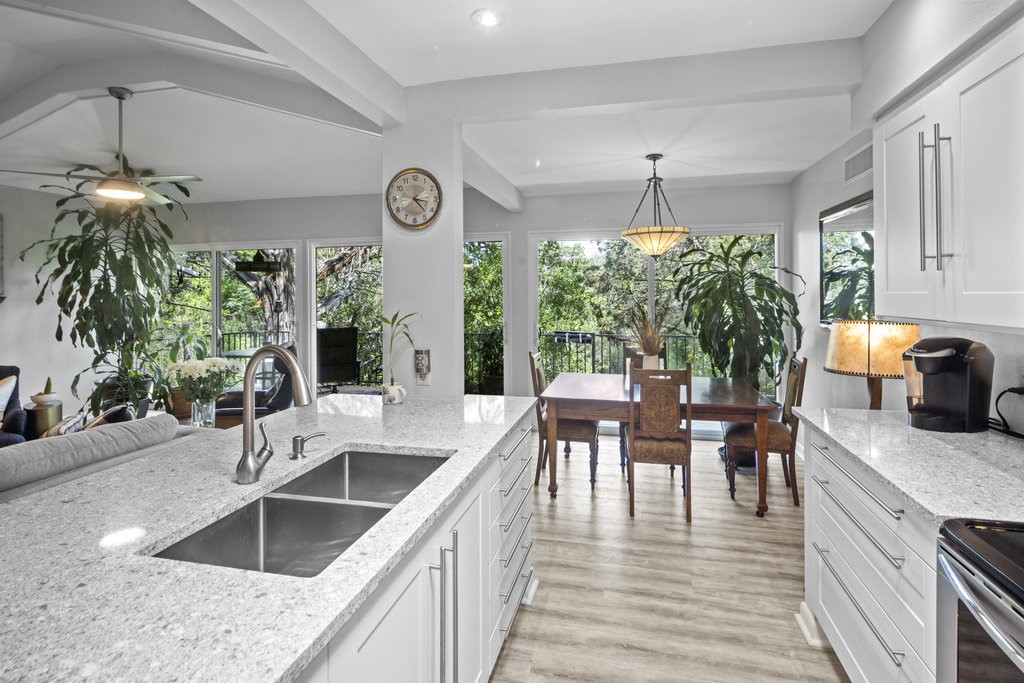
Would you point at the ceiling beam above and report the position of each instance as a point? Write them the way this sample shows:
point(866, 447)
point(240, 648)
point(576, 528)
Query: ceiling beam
point(295, 33)
point(479, 174)
point(68, 83)
point(177, 22)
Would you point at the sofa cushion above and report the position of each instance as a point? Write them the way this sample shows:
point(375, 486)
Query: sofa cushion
point(69, 425)
point(26, 462)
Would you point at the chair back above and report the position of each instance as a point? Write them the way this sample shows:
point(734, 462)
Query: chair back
point(540, 383)
point(797, 370)
point(658, 412)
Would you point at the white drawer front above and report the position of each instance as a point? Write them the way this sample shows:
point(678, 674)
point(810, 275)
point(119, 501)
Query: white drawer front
point(504, 570)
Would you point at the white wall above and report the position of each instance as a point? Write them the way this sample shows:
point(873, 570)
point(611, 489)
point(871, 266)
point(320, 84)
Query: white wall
point(26, 330)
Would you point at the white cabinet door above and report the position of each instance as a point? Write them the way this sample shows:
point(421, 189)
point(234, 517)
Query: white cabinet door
point(905, 230)
point(987, 134)
point(465, 592)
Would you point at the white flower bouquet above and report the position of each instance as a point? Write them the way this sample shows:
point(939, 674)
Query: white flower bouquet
point(204, 380)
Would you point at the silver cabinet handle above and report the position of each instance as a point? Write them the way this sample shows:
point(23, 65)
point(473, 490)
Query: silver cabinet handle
point(506, 527)
point(505, 629)
point(959, 581)
point(442, 566)
point(507, 594)
point(920, 194)
point(940, 254)
point(893, 512)
point(895, 560)
point(505, 560)
point(895, 655)
point(526, 433)
point(505, 491)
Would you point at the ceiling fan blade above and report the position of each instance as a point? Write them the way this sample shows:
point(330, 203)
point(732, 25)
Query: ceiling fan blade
point(154, 196)
point(57, 175)
point(150, 179)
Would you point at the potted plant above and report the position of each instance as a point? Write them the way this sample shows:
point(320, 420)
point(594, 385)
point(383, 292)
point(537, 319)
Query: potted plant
point(739, 314)
point(202, 381)
point(173, 343)
point(648, 338)
point(46, 396)
point(106, 276)
point(398, 328)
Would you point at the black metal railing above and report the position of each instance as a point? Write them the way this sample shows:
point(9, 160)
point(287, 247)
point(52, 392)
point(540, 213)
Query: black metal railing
point(603, 353)
point(247, 339)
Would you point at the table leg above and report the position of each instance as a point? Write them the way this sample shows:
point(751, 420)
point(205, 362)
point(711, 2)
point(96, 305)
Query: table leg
point(762, 462)
point(552, 447)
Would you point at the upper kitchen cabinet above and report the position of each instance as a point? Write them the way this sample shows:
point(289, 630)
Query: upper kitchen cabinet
point(948, 181)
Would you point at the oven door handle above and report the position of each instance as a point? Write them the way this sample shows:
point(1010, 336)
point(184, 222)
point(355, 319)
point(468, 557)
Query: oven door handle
point(1005, 642)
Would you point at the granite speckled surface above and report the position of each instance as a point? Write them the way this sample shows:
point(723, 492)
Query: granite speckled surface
point(939, 475)
point(81, 599)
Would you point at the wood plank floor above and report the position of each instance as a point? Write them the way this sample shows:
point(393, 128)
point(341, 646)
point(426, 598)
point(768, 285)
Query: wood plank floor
point(652, 599)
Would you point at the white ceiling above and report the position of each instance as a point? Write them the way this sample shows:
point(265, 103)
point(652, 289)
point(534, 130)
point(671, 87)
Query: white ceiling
point(245, 150)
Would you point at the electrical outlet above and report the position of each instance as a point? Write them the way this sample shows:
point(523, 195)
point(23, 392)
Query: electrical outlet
point(421, 365)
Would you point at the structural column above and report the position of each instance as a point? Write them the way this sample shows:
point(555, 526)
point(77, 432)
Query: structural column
point(423, 268)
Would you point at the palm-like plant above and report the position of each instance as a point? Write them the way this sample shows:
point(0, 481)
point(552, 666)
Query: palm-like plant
point(399, 328)
point(738, 314)
point(848, 289)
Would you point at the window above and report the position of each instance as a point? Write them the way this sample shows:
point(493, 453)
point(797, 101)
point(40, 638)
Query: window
point(848, 260)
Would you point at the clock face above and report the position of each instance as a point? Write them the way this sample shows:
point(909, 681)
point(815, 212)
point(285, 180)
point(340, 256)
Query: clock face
point(413, 198)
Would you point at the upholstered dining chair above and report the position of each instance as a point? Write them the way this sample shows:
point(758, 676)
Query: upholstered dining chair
point(782, 433)
point(632, 357)
point(660, 425)
point(584, 431)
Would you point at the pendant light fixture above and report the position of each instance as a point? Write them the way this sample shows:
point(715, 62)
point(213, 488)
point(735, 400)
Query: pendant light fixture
point(654, 239)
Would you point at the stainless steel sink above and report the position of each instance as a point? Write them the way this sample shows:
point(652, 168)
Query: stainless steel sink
point(279, 535)
point(301, 527)
point(354, 475)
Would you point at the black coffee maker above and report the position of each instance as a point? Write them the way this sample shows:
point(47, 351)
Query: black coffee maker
point(949, 384)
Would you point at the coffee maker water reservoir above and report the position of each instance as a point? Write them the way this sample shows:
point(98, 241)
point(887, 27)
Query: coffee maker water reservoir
point(949, 384)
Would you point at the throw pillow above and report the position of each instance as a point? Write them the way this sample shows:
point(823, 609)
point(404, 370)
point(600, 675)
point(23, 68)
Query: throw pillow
point(7, 386)
point(68, 425)
point(122, 413)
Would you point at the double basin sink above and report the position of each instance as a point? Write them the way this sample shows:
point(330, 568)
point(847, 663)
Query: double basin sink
point(301, 527)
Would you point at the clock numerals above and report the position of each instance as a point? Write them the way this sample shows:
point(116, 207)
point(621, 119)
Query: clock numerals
point(414, 198)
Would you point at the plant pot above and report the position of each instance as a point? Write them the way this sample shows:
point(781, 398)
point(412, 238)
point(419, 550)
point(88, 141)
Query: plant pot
point(114, 391)
point(43, 399)
point(650, 363)
point(179, 406)
point(392, 394)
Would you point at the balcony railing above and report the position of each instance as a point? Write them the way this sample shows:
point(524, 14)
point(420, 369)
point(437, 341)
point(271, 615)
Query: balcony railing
point(602, 353)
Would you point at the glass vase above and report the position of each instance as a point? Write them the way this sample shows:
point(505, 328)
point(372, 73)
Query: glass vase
point(203, 413)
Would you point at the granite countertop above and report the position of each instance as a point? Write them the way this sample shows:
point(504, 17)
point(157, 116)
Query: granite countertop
point(82, 598)
point(942, 475)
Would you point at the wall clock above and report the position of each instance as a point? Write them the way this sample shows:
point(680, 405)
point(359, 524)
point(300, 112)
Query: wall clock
point(413, 198)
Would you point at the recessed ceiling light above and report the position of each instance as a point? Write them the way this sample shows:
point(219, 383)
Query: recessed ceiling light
point(488, 17)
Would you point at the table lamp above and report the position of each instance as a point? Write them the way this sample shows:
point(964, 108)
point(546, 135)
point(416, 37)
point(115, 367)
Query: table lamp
point(870, 348)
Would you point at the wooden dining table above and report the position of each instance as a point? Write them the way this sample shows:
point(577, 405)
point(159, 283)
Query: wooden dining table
point(586, 396)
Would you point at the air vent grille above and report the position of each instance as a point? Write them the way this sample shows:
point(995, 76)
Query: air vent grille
point(857, 164)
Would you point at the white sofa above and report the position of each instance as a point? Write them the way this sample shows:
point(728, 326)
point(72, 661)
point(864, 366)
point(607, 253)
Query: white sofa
point(36, 465)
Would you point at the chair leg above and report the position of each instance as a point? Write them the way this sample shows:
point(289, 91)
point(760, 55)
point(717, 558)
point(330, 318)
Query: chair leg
point(568, 449)
point(682, 472)
point(792, 469)
point(622, 447)
point(730, 470)
point(785, 467)
point(687, 475)
point(540, 458)
point(630, 482)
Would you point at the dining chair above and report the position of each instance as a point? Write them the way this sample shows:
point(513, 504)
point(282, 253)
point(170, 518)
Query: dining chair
point(584, 431)
point(782, 433)
point(660, 425)
point(631, 358)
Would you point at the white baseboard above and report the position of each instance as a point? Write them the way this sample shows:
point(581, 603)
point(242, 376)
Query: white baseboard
point(809, 626)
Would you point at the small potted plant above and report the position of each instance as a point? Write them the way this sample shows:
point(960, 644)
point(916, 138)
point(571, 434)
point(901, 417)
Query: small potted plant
point(46, 396)
point(399, 327)
point(202, 381)
point(648, 337)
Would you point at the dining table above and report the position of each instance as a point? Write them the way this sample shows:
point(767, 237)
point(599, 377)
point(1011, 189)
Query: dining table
point(592, 396)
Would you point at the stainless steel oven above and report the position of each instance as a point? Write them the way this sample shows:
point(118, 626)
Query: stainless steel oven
point(980, 617)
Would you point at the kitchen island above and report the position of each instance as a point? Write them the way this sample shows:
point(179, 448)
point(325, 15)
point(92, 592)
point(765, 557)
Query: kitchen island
point(83, 598)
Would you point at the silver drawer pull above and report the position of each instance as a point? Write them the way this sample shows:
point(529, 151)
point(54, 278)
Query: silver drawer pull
point(526, 433)
point(893, 512)
point(505, 491)
point(895, 655)
point(895, 560)
point(515, 515)
point(506, 560)
point(526, 587)
point(507, 594)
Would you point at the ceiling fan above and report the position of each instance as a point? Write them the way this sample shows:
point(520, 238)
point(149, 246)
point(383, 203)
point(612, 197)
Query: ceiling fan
point(119, 185)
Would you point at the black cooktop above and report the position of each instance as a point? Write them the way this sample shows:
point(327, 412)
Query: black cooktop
point(996, 547)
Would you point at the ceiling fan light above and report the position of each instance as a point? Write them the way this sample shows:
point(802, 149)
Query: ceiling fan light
point(112, 188)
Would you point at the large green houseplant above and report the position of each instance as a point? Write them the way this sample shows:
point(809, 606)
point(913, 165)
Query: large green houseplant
point(738, 313)
point(106, 275)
